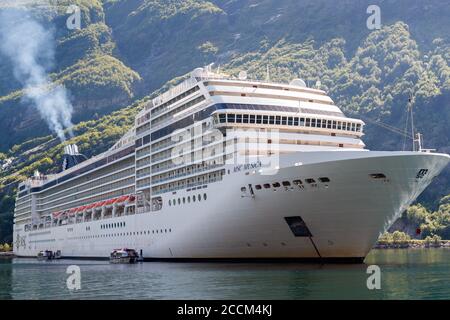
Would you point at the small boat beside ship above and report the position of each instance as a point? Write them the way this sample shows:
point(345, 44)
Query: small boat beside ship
point(124, 256)
point(48, 255)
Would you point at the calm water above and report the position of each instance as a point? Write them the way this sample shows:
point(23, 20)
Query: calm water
point(405, 274)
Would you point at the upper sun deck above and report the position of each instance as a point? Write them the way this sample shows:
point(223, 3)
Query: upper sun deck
point(216, 87)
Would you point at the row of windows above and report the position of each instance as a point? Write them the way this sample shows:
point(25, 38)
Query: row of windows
point(112, 225)
point(288, 184)
point(104, 172)
point(163, 107)
point(289, 121)
point(124, 234)
point(187, 199)
point(89, 185)
point(177, 110)
point(101, 197)
point(98, 190)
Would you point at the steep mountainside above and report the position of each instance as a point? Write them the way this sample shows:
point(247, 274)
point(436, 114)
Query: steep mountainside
point(127, 49)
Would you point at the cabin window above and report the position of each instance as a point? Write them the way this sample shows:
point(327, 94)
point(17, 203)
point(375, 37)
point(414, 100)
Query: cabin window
point(204, 196)
point(245, 118)
point(310, 180)
point(283, 121)
point(258, 187)
point(295, 121)
point(266, 185)
point(272, 120)
point(286, 183)
point(329, 124)
point(308, 122)
point(265, 119)
point(358, 127)
point(231, 118)
point(222, 118)
point(298, 182)
point(252, 118)
point(258, 119)
point(290, 121)
point(313, 122)
point(324, 179)
point(334, 124)
point(239, 118)
point(276, 185)
point(243, 189)
point(278, 120)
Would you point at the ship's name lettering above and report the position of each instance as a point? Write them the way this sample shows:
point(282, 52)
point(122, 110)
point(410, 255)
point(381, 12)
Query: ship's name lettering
point(247, 166)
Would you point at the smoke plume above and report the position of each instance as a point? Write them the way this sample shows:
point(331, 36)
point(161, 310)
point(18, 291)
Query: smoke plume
point(30, 47)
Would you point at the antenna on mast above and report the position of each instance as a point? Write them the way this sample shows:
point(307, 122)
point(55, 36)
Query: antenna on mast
point(412, 123)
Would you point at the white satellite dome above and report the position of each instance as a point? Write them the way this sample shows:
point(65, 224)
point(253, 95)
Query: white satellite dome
point(242, 75)
point(298, 83)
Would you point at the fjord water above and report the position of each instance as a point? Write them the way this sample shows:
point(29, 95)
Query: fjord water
point(405, 274)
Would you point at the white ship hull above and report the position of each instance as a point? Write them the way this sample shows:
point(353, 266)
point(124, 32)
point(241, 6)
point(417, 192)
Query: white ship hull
point(344, 216)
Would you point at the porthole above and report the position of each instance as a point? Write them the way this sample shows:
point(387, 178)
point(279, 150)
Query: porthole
point(266, 186)
point(258, 187)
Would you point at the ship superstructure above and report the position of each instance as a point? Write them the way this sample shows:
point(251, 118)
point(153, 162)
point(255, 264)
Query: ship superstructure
point(223, 167)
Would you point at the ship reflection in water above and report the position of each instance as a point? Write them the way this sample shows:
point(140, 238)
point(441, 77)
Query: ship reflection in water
point(406, 274)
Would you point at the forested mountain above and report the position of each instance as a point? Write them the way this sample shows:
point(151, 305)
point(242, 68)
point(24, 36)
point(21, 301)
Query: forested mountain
point(127, 50)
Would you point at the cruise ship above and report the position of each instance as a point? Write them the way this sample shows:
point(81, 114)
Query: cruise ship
point(223, 167)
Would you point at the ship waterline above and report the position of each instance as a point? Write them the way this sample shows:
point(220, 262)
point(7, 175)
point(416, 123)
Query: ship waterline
point(325, 198)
